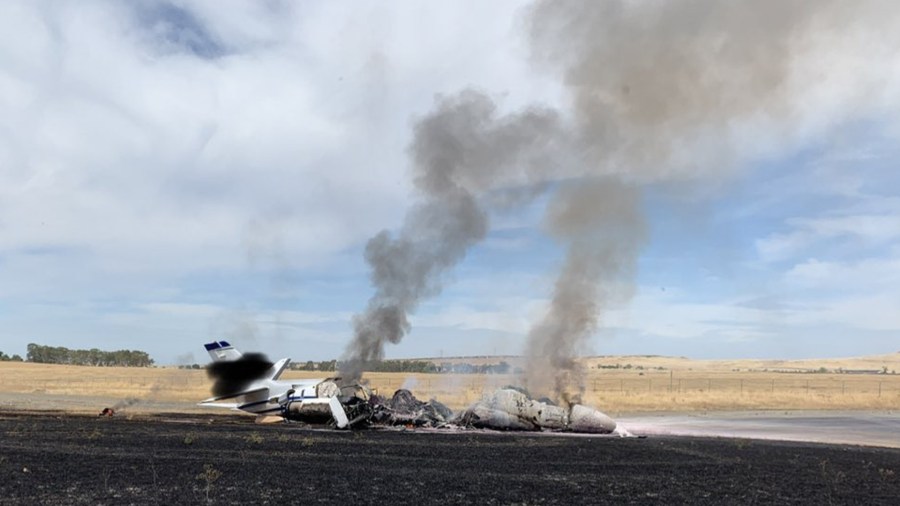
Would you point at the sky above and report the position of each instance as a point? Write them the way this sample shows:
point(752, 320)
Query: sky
point(173, 173)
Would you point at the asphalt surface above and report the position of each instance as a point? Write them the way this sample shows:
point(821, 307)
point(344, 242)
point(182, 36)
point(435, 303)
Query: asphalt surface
point(844, 427)
point(66, 459)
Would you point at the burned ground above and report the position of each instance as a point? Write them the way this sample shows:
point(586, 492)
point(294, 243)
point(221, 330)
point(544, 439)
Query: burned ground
point(66, 459)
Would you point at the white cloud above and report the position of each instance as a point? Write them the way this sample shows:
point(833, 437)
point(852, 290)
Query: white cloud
point(150, 158)
point(669, 315)
point(780, 246)
point(867, 230)
point(512, 318)
point(840, 277)
point(876, 312)
point(179, 310)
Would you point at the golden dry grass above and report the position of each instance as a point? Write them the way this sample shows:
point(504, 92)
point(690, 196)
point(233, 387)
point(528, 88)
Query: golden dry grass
point(168, 384)
point(741, 390)
point(684, 385)
point(889, 361)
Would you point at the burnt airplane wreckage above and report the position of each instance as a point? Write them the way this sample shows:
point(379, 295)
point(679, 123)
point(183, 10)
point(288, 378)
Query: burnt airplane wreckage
point(251, 383)
point(504, 409)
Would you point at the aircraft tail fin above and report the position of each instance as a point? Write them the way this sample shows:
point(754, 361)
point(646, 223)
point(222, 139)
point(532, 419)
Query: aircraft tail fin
point(222, 351)
point(277, 368)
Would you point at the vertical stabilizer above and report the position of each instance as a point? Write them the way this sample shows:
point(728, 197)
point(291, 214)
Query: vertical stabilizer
point(222, 351)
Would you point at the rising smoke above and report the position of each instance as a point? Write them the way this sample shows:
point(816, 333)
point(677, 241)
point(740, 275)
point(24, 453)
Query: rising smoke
point(458, 152)
point(601, 225)
point(660, 92)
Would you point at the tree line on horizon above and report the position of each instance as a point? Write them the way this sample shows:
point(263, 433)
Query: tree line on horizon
point(399, 365)
point(413, 366)
point(93, 357)
point(7, 358)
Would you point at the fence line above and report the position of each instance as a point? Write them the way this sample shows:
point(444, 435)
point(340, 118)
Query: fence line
point(744, 386)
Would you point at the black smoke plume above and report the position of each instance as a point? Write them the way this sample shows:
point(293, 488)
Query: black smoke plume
point(234, 376)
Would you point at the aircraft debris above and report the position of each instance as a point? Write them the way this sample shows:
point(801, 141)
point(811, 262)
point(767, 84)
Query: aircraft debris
point(511, 409)
point(251, 383)
point(405, 409)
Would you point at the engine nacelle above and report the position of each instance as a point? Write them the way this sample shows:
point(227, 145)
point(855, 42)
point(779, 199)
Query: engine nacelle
point(315, 410)
point(585, 419)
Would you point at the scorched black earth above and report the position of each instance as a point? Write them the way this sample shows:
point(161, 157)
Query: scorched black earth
point(65, 459)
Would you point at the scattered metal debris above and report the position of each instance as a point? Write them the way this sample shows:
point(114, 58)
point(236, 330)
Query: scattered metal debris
point(404, 409)
point(503, 409)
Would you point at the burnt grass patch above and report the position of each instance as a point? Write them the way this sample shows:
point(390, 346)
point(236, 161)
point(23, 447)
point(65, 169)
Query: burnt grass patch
point(66, 459)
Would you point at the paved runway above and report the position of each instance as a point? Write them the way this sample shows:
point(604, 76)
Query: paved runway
point(842, 427)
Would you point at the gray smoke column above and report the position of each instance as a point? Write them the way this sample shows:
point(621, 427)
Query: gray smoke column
point(459, 151)
point(680, 91)
point(660, 92)
point(689, 89)
point(601, 224)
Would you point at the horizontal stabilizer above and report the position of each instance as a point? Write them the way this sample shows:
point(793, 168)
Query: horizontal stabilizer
point(229, 405)
point(233, 395)
point(278, 368)
point(337, 411)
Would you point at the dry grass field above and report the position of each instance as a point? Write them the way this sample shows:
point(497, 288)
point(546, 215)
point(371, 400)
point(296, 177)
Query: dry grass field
point(638, 384)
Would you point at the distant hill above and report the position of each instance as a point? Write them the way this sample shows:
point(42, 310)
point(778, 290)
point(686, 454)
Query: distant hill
point(872, 363)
